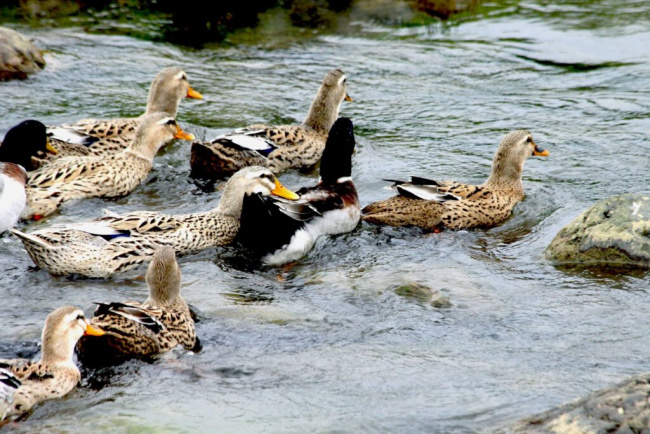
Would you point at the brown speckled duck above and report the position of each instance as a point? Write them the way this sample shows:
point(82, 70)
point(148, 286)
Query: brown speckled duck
point(117, 243)
point(276, 147)
point(55, 374)
point(112, 176)
point(449, 204)
point(136, 329)
point(109, 136)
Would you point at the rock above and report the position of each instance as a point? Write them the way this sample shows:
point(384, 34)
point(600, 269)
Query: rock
point(417, 290)
point(18, 56)
point(623, 408)
point(615, 232)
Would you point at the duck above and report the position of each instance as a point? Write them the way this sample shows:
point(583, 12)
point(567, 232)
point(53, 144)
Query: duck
point(134, 329)
point(12, 194)
point(117, 243)
point(109, 136)
point(26, 144)
point(276, 147)
point(434, 205)
point(330, 207)
point(8, 385)
point(111, 176)
point(55, 374)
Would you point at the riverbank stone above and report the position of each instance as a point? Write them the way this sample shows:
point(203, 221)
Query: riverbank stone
point(614, 232)
point(18, 56)
point(623, 408)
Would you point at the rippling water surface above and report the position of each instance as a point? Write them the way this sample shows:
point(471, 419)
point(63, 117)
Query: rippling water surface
point(328, 345)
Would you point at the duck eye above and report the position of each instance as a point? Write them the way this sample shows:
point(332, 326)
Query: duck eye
point(171, 122)
point(81, 317)
point(529, 139)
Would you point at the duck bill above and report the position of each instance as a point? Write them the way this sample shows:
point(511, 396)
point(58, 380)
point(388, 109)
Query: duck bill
point(191, 93)
point(93, 331)
point(180, 134)
point(348, 98)
point(282, 191)
point(51, 149)
point(539, 152)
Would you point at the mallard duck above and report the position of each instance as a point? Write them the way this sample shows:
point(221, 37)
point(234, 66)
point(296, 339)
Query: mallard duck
point(12, 194)
point(112, 176)
point(330, 207)
point(55, 374)
point(135, 329)
point(26, 144)
point(8, 385)
point(117, 243)
point(106, 137)
point(433, 204)
point(277, 147)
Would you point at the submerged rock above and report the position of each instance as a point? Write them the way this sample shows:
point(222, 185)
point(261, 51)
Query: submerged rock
point(422, 292)
point(614, 232)
point(623, 408)
point(18, 56)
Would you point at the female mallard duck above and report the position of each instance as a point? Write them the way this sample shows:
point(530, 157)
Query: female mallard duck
point(330, 207)
point(118, 243)
point(55, 374)
point(26, 144)
point(277, 147)
point(449, 204)
point(8, 385)
point(105, 137)
point(111, 176)
point(135, 329)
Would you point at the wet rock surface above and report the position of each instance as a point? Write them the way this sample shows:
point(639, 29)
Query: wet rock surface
point(623, 408)
point(18, 56)
point(614, 232)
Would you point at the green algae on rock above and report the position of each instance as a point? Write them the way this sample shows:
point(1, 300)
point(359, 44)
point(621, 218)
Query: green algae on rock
point(614, 232)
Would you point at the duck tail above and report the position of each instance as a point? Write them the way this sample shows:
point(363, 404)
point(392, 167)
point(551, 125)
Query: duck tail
point(29, 239)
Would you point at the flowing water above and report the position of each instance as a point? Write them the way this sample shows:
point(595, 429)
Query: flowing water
point(328, 345)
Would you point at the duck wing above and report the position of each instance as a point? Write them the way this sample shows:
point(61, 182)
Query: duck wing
point(253, 139)
point(131, 312)
point(422, 188)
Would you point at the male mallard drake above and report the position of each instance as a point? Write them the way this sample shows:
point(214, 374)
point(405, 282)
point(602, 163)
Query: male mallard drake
point(12, 194)
point(118, 243)
point(135, 329)
point(55, 374)
point(112, 176)
point(277, 147)
point(105, 137)
point(431, 204)
point(25, 144)
point(330, 207)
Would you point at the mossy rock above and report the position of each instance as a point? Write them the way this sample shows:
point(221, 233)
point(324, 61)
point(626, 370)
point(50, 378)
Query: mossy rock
point(622, 408)
point(18, 56)
point(615, 232)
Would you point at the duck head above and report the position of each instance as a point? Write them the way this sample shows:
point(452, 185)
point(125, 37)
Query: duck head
point(247, 181)
point(167, 90)
point(508, 163)
point(325, 108)
point(156, 130)
point(163, 278)
point(22, 142)
point(336, 162)
point(62, 330)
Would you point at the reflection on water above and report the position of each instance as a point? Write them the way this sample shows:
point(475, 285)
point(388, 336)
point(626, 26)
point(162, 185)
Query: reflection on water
point(328, 344)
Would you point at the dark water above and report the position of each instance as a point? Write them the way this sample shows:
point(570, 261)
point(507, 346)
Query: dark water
point(327, 346)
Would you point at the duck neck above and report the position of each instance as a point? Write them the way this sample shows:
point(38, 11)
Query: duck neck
point(55, 353)
point(231, 203)
point(323, 112)
point(506, 175)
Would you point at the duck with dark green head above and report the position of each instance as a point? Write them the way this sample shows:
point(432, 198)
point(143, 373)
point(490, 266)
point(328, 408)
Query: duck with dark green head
point(24, 142)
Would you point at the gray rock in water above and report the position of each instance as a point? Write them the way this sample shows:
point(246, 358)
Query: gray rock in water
point(18, 56)
point(623, 408)
point(614, 232)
